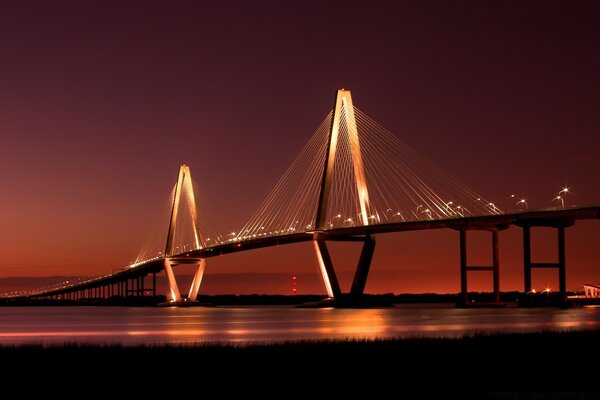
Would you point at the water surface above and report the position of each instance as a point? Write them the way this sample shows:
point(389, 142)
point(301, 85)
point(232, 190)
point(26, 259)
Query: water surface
point(145, 325)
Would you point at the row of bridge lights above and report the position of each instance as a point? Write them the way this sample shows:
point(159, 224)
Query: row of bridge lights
point(398, 215)
point(247, 235)
point(450, 208)
point(560, 197)
point(395, 216)
point(536, 292)
point(519, 202)
point(390, 215)
point(59, 285)
point(350, 221)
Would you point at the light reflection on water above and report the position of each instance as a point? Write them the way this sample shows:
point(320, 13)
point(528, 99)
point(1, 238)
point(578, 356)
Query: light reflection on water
point(273, 324)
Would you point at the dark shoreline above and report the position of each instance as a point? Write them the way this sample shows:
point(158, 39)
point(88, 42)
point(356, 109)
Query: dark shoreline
point(368, 300)
point(479, 365)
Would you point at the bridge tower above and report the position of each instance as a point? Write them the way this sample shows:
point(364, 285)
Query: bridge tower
point(343, 115)
point(183, 188)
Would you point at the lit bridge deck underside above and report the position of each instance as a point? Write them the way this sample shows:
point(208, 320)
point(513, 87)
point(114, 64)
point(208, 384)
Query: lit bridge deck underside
point(502, 221)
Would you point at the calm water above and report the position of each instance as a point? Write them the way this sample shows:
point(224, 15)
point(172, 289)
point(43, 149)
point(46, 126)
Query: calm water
point(272, 324)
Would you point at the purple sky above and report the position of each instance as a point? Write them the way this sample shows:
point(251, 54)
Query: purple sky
point(100, 101)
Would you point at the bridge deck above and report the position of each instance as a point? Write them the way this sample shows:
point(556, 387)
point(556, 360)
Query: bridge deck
point(562, 217)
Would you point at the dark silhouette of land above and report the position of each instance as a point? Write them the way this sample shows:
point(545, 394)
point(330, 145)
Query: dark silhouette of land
point(367, 300)
point(480, 366)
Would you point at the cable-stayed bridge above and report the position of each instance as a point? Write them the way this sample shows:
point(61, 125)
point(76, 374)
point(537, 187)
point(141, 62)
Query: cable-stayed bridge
point(352, 181)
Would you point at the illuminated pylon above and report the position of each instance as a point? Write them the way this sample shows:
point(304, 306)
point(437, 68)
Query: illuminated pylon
point(343, 109)
point(183, 187)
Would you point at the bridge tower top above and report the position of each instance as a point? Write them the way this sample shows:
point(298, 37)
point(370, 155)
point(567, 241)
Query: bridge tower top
point(183, 187)
point(343, 117)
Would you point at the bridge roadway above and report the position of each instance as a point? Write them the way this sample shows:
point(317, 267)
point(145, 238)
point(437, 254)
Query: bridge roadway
point(549, 218)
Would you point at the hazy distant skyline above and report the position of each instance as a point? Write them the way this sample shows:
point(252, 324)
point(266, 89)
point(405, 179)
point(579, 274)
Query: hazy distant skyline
point(101, 101)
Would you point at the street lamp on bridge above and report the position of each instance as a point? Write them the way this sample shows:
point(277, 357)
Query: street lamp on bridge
point(394, 216)
point(564, 190)
point(447, 205)
point(562, 194)
point(495, 210)
point(562, 201)
point(428, 212)
point(524, 202)
point(417, 211)
point(332, 220)
point(386, 213)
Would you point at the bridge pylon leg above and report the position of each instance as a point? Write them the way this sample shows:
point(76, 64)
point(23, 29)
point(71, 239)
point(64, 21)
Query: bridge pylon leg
point(192, 294)
point(173, 288)
point(327, 272)
point(362, 269)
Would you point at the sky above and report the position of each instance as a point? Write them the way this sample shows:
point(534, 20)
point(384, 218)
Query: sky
point(101, 101)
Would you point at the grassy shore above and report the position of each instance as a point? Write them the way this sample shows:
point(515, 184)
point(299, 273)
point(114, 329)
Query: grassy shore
point(483, 365)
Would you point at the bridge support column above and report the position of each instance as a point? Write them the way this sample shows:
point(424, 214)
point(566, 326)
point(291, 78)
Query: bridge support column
point(154, 284)
point(494, 268)
point(463, 267)
point(527, 258)
point(528, 265)
point(562, 267)
point(496, 264)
